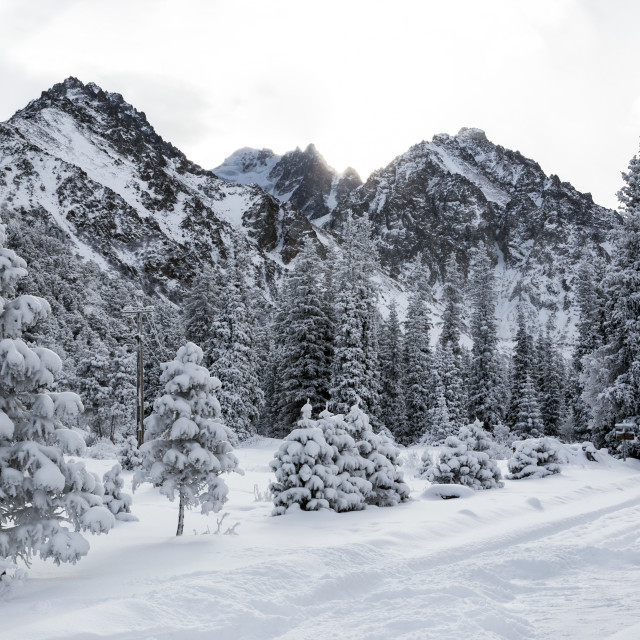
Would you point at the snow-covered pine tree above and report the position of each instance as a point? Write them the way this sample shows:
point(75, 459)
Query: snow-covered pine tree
point(551, 381)
point(305, 335)
point(392, 401)
point(45, 500)
point(450, 375)
point(467, 459)
point(105, 378)
point(187, 446)
point(527, 421)
point(589, 337)
point(418, 359)
point(306, 476)
point(128, 454)
point(612, 373)
point(486, 386)
point(453, 301)
point(523, 366)
point(352, 487)
point(118, 502)
point(534, 458)
point(355, 374)
point(233, 356)
point(200, 308)
point(388, 486)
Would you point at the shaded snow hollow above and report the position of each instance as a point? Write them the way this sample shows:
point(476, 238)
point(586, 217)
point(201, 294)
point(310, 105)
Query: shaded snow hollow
point(538, 559)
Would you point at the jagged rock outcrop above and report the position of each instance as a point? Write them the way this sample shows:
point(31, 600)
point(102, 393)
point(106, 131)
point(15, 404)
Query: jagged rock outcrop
point(302, 178)
point(90, 164)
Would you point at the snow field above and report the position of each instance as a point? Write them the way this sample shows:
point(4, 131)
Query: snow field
point(556, 557)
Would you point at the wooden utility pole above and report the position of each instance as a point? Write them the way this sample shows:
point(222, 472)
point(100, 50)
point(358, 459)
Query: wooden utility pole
point(139, 310)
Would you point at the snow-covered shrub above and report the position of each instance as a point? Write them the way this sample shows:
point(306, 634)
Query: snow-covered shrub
point(10, 576)
point(534, 458)
point(187, 446)
point(426, 465)
point(467, 459)
point(382, 457)
point(446, 492)
point(351, 487)
point(128, 454)
point(306, 476)
point(45, 500)
point(114, 499)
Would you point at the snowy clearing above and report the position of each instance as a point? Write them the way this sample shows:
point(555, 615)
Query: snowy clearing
point(556, 557)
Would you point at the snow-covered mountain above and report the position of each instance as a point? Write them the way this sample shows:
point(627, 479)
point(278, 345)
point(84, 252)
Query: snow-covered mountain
point(455, 192)
point(84, 161)
point(300, 177)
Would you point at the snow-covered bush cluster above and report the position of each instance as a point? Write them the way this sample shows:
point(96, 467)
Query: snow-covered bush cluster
point(466, 459)
point(534, 458)
point(114, 499)
point(336, 463)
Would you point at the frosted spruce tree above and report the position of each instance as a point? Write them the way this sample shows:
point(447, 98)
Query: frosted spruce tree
point(45, 500)
point(187, 446)
point(387, 484)
point(466, 459)
point(450, 376)
point(454, 311)
point(233, 358)
point(392, 401)
point(351, 469)
point(485, 384)
point(105, 379)
point(589, 337)
point(305, 335)
point(551, 381)
point(612, 372)
point(418, 361)
point(306, 477)
point(523, 366)
point(200, 307)
point(355, 374)
point(118, 502)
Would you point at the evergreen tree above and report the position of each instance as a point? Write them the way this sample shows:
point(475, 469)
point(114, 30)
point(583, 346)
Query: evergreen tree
point(453, 313)
point(551, 382)
point(105, 377)
point(232, 353)
point(589, 337)
point(200, 308)
point(306, 477)
point(392, 402)
point(485, 383)
point(612, 372)
point(114, 499)
point(187, 446)
point(526, 410)
point(305, 335)
point(382, 460)
point(450, 375)
point(41, 493)
point(419, 375)
point(355, 370)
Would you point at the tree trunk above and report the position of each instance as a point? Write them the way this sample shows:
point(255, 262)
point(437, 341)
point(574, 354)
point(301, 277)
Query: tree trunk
point(180, 516)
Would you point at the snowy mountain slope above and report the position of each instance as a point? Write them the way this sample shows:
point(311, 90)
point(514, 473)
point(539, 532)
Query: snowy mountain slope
point(451, 195)
point(456, 192)
point(542, 558)
point(91, 163)
point(300, 177)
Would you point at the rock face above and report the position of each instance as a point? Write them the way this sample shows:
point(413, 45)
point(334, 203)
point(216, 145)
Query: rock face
point(87, 163)
point(302, 178)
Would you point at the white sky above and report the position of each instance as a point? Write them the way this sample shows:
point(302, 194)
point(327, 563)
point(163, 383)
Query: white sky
point(557, 80)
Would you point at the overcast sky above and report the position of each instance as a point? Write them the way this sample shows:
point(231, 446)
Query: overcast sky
point(557, 80)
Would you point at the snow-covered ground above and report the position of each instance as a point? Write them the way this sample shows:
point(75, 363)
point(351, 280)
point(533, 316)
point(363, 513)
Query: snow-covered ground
point(552, 558)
